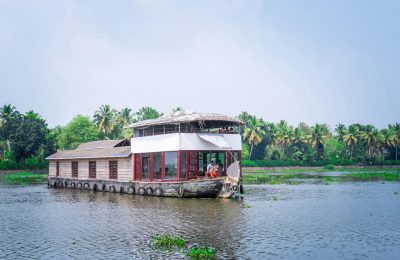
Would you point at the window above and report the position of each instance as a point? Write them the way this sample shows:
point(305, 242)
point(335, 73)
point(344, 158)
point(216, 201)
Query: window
point(157, 166)
point(74, 166)
point(145, 166)
point(183, 165)
point(113, 167)
point(92, 169)
point(170, 165)
point(57, 168)
point(138, 169)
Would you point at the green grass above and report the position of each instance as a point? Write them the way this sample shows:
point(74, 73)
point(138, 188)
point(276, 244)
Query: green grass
point(23, 178)
point(292, 178)
point(168, 241)
point(249, 170)
point(202, 253)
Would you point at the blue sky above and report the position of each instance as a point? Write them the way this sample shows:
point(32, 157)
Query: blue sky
point(311, 61)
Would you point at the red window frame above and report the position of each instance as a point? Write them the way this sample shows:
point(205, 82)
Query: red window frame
point(57, 168)
point(113, 170)
point(92, 169)
point(74, 169)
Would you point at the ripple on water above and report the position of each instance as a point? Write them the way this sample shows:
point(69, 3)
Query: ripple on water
point(284, 221)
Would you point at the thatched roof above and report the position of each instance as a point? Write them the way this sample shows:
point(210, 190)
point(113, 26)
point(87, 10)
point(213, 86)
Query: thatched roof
point(101, 144)
point(96, 149)
point(187, 117)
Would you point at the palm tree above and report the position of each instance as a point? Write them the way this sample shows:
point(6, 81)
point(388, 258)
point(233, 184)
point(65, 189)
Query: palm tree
point(350, 138)
point(254, 132)
point(104, 118)
point(388, 139)
point(125, 116)
point(284, 136)
point(319, 133)
point(396, 129)
point(7, 112)
point(372, 138)
point(341, 131)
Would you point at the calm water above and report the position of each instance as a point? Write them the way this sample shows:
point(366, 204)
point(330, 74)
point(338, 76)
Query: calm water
point(339, 221)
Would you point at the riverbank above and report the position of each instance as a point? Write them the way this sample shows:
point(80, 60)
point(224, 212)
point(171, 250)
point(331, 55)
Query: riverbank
point(23, 178)
point(392, 175)
point(304, 169)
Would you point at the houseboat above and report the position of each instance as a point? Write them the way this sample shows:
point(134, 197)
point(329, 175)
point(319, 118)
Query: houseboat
point(183, 154)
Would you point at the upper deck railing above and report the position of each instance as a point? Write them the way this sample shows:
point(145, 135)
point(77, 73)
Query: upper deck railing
point(181, 128)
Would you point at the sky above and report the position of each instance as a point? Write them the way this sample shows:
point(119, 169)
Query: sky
point(300, 61)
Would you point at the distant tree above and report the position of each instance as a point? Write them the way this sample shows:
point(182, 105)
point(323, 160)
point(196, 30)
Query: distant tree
point(104, 118)
point(317, 137)
point(29, 136)
point(146, 113)
point(125, 117)
point(351, 138)
point(396, 130)
point(388, 139)
point(254, 133)
point(80, 130)
point(372, 137)
point(340, 131)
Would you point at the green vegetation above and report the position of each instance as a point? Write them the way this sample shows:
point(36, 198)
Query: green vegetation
point(246, 206)
point(23, 178)
point(329, 167)
point(202, 253)
point(168, 241)
point(26, 140)
point(280, 144)
point(297, 178)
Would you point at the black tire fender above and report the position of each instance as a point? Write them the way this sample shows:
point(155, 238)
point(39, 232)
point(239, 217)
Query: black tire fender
point(131, 190)
point(142, 191)
point(111, 188)
point(149, 191)
point(159, 191)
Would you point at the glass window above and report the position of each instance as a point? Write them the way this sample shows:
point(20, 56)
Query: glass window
point(183, 164)
point(157, 165)
point(170, 165)
point(145, 166)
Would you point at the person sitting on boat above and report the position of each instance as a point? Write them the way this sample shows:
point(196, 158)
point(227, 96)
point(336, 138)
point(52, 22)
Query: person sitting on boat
point(211, 170)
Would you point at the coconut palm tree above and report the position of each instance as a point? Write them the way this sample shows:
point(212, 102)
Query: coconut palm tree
point(341, 131)
point(372, 138)
point(350, 138)
point(284, 136)
point(125, 116)
point(388, 139)
point(396, 129)
point(7, 112)
point(319, 133)
point(104, 119)
point(254, 132)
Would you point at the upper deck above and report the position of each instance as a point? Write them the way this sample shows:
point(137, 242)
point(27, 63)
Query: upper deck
point(184, 130)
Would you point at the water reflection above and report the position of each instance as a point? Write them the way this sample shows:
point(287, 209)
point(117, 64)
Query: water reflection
point(299, 221)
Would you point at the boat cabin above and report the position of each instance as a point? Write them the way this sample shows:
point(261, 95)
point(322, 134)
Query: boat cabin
point(181, 145)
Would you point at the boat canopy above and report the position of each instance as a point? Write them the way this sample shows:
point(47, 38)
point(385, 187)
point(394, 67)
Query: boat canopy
point(218, 140)
point(203, 120)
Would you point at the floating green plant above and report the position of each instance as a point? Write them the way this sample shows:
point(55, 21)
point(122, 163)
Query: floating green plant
point(168, 241)
point(246, 206)
point(202, 253)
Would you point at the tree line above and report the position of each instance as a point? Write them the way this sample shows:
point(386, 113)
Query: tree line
point(307, 145)
point(26, 140)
